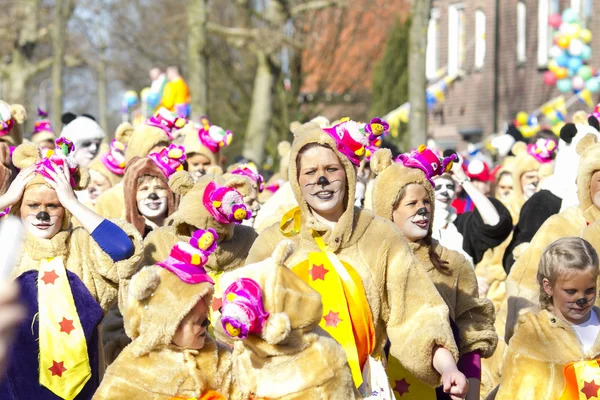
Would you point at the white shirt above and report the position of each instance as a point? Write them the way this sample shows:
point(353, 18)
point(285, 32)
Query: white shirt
point(588, 331)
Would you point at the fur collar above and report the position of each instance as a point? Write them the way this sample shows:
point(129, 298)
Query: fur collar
point(39, 249)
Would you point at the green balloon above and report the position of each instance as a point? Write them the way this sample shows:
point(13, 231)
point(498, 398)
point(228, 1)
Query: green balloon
point(585, 72)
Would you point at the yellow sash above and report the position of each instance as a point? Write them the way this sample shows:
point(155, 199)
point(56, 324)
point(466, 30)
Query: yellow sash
point(346, 313)
point(291, 222)
point(582, 380)
point(406, 385)
point(64, 363)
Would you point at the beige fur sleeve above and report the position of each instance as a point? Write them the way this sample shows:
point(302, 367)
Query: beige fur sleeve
point(157, 245)
point(264, 245)
point(114, 387)
point(474, 316)
point(417, 316)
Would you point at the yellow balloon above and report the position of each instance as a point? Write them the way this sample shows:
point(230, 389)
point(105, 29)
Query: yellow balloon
point(563, 42)
point(561, 73)
point(553, 66)
point(522, 118)
point(576, 31)
point(144, 93)
point(586, 35)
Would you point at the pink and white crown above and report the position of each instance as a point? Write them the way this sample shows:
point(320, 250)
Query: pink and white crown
point(212, 136)
point(250, 172)
point(187, 259)
point(351, 139)
point(543, 150)
point(170, 159)
point(167, 121)
point(427, 161)
point(243, 312)
point(114, 160)
point(43, 123)
point(62, 156)
point(225, 204)
point(6, 120)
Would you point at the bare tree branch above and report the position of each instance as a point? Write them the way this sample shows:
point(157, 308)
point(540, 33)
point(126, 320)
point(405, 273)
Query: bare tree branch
point(315, 6)
point(231, 33)
point(40, 66)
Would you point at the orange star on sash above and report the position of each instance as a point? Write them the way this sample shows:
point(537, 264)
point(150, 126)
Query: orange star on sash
point(318, 272)
point(332, 319)
point(66, 325)
point(57, 369)
point(49, 277)
point(590, 389)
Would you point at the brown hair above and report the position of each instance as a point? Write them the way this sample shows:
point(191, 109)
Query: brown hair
point(564, 255)
point(428, 240)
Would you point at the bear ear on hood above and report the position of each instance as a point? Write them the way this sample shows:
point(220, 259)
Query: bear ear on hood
point(381, 160)
point(519, 148)
point(593, 121)
point(123, 132)
point(18, 113)
point(214, 170)
point(26, 155)
point(144, 283)
point(580, 118)
point(588, 141)
point(181, 182)
point(568, 132)
point(67, 118)
point(239, 183)
point(284, 148)
point(294, 126)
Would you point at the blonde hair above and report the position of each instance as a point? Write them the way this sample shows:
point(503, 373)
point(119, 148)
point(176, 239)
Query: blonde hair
point(564, 255)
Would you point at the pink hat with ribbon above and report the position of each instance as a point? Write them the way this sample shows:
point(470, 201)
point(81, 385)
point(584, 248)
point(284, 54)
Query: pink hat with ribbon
point(427, 161)
point(170, 159)
point(6, 120)
point(187, 259)
point(212, 136)
point(243, 312)
point(62, 156)
point(43, 124)
point(250, 172)
point(167, 121)
point(114, 160)
point(351, 138)
point(225, 204)
point(542, 150)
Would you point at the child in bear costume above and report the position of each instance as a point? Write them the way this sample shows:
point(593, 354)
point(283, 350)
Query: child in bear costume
point(68, 276)
point(271, 318)
point(172, 356)
point(452, 274)
point(43, 134)
point(203, 144)
point(150, 137)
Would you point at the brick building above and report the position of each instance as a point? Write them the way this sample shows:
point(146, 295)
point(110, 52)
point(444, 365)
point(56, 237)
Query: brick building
point(501, 47)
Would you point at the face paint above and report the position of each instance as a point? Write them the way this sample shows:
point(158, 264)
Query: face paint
point(197, 165)
point(595, 189)
point(151, 197)
point(41, 212)
point(322, 182)
point(86, 151)
point(529, 182)
point(504, 187)
point(98, 185)
point(412, 215)
point(445, 190)
point(573, 294)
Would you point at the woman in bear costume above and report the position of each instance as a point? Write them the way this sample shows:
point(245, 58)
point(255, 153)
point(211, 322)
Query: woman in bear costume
point(150, 137)
point(172, 356)
point(391, 296)
point(203, 144)
point(271, 318)
point(451, 273)
point(68, 276)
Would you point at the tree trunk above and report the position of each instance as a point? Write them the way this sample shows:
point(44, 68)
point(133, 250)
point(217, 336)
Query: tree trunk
point(417, 123)
point(197, 57)
point(102, 114)
point(261, 111)
point(61, 15)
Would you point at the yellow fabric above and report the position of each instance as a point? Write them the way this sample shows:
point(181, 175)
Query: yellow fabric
point(215, 308)
point(64, 362)
point(176, 92)
point(293, 216)
point(582, 380)
point(346, 315)
point(406, 385)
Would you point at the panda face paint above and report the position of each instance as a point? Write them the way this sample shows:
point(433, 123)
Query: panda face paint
point(445, 190)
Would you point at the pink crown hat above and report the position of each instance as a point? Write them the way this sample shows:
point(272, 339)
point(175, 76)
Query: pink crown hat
point(427, 161)
point(243, 312)
point(213, 137)
point(351, 139)
point(225, 204)
point(43, 124)
point(114, 160)
point(6, 120)
point(63, 155)
point(187, 259)
point(275, 186)
point(170, 159)
point(249, 172)
point(167, 121)
point(543, 150)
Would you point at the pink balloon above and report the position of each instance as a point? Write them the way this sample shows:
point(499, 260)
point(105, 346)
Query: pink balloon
point(555, 20)
point(550, 78)
point(578, 83)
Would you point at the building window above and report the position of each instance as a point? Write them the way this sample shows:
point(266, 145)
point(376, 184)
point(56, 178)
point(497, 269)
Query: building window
point(479, 39)
point(584, 9)
point(433, 45)
point(456, 39)
point(522, 32)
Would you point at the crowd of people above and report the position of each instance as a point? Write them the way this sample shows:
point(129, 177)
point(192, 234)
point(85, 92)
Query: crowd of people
point(150, 270)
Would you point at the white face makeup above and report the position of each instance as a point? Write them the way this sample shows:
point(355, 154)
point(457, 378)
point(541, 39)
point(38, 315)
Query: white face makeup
point(504, 187)
point(41, 212)
point(197, 165)
point(595, 189)
point(86, 151)
point(98, 185)
point(151, 197)
point(445, 190)
point(251, 202)
point(413, 213)
point(529, 183)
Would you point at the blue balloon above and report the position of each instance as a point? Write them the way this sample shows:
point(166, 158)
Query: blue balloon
point(153, 99)
point(569, 16)
point(586, 53)
point(593, 85)
point(131, 102)
point(563, 60)
point(575, 63)
point(532, 121)
point(564, 85)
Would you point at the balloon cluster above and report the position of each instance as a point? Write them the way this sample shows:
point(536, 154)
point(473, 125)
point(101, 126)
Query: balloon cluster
point(527, 124)
point(568, 69)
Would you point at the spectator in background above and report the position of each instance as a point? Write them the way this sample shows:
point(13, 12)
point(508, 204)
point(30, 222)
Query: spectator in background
point(176, 96)
point(477, 172)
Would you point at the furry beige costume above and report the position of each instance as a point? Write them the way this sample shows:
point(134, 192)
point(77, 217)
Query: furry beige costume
point(151, 367)
point(193, 145)
point(122, 135)
point(543, 344)
point(142, 140)
point(521, 285)
point(403, 302)
point(293, 358)
point(18, 115)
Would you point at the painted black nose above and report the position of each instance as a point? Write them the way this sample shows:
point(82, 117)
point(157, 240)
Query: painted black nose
point(422, 211)
point(153, 196)
point(322, 181)
point(581, 302)
point(43, 216)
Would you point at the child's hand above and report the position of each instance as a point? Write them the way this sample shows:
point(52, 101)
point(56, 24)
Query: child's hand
point(61, 183)
point(17, 187)
point(455, 384)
